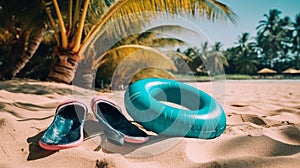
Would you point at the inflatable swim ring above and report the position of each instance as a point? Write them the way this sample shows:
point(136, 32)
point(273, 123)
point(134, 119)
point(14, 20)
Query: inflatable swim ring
point(204, 117)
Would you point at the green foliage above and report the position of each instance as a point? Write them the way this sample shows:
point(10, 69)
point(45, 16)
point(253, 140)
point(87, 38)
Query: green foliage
point(276, 46)
point(271, 35)
point(242, 58)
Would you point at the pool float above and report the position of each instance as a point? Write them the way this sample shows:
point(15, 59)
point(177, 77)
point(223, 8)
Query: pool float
point(203, 117)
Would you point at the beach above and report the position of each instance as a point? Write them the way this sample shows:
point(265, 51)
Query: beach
point(263, 129)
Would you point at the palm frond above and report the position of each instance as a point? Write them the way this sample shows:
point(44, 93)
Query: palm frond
point(212, 9)
point(165, 29)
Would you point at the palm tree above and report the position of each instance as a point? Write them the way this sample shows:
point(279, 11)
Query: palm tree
point(243, 56)
point(243, 41)
point(76, 33)
point(270, 23)
point(272, 33)
point(17, 18)
point(194, 58)
point(246, 65)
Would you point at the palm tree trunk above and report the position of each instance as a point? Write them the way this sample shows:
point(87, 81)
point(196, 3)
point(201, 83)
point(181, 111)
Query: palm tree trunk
point(21, 53)
point(33, 44)
point(63, 70)
point(17, 47)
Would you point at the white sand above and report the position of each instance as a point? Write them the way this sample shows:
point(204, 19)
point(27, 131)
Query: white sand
point(263, 130)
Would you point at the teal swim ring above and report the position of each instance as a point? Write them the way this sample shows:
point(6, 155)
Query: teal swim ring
point(204, 117)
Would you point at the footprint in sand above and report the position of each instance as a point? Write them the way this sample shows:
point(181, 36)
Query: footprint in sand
point(239, 105)
point(253, 119)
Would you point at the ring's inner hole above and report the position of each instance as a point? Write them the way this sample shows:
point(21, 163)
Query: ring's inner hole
point(178, 98)
point(178, 106)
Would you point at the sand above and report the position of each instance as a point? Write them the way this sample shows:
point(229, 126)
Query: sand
point(263, 129)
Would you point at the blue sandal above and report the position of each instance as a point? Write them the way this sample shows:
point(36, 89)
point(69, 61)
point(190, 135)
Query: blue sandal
point(116, 127)
point(66, 130)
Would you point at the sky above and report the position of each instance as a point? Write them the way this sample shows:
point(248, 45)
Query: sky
point(249, 13)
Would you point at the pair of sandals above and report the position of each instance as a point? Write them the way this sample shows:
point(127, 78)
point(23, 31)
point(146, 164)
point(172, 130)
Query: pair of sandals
point(66, 130)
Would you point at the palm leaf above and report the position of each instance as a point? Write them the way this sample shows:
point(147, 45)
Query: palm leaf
point(165, 29)
point(212, 9)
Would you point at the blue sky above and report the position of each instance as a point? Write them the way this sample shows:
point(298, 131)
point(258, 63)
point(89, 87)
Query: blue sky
point(249, 13)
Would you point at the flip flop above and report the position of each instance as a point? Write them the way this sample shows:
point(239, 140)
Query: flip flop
point(66, 130)
point(116, 126)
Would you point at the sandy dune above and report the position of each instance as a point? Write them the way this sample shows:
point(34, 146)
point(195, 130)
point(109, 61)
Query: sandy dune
point(263, 129)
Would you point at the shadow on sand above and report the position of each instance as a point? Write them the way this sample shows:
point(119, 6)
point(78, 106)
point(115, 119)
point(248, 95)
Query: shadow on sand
point(35, 152)
point(92, 129)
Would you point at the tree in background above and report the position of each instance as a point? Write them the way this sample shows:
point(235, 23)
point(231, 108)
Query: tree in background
point(243, 57)
point(271, 35)
point(276, 46)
